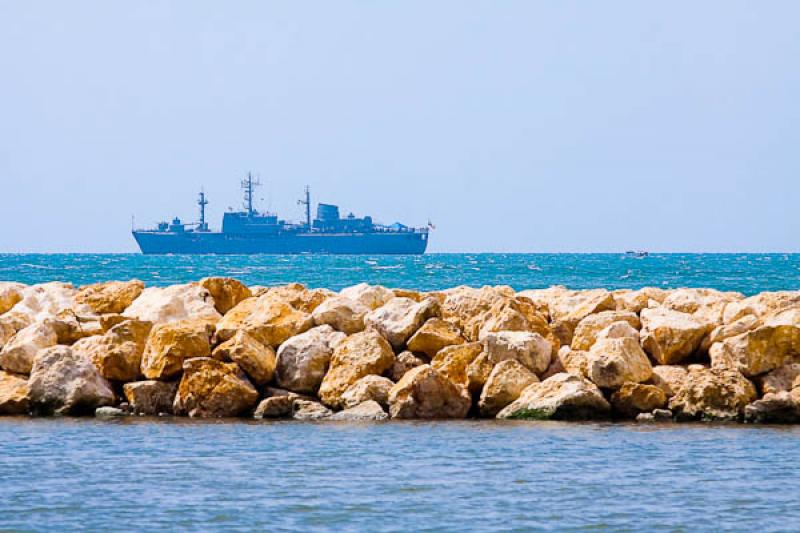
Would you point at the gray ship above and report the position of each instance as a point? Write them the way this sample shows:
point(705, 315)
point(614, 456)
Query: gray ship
point(254, 232)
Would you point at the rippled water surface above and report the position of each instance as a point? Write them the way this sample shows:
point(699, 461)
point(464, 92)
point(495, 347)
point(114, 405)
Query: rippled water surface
point(748, 273)
point(62, 474)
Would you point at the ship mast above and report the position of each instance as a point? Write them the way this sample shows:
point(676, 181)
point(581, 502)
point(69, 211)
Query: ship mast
point(202, 202)
point(248, 185)
point(307, 203)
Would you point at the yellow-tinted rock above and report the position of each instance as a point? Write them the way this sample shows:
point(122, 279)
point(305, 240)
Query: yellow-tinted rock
point(505, 384)
point(404, 362)
point(368, 388)
point(574, 361)
point(10, 295)
point(530, 349)
point(257, 360)
point(370, 296)
point(756, 352)
point(434, 335)
point(227, 292)
point(714, 393)
point(568, 310)
point(170, 344)
point(635, 301)
point(612, 362)
point(563, 396)
point(353, 358)
point(780, 380)
point(13, 394)
point(425, 393)
point(669, 378)
point(341, 313)
point(705, 305)
point(118, 354)
point(587, 329)
point(453, 361)
point(634, 398)
point(298, 296)
point(670, 336)
point(212, 389)
point(19, 352)
point(725, 331)
point(151, 397)
point(110, 297)
point(267, 320)
point(462, 305)
point(761, 305)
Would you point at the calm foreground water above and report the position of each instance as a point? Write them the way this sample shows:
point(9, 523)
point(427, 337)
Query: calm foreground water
point(171, 474)
point(135, 474)
point(748, 273)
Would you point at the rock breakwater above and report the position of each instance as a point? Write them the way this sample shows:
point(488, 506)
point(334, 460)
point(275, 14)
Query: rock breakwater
point(217, 348)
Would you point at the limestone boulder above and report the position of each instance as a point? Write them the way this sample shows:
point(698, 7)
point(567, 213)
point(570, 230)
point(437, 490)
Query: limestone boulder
point(720, 333)
point(212, 389)
point(297, 296)
point(257, 360)
point(612, 362)
point(171, 343)
point(635, 301)
point(341, 313)
point(19, 352)
point(434, 335)
point(568, 310)
point(761, 306)
point(573, 361)
point(453, 361)
point(269, 321)
point(425, 393)
point(773, 408)
point(634, 398)
point(13, 394)
point(531, 349)
point(303, 359)
point(47, 300)
point(64, 381)
point(111, 296)
point(151, 397)
point(779, 380)
point(118, 353)
point(400, 318)
point(510, 314)
point(226, 292)
point(404, 362)
point(461, 305)
point(372, 387)
point(713, 394)
point(369, 411)
point(274, 407)
point(758, 351)
point(587, 330)
point(370, 296)
point(176, 302)
point(310, 411)
point(354, 357)
point(408, 293)
point(705, 305)
point(670, 336)
point(560, 397)
point(669, 378)
point(543, 299)
point(10, 295)
point(504, 385)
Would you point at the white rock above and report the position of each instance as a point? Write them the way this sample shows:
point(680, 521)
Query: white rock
point(176, 302)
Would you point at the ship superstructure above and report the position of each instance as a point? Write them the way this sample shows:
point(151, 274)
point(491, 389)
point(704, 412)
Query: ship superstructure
point(253, 232)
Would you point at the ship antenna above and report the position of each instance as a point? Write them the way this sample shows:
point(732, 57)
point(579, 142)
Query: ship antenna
point(202, 202)
point(307, 202)
point(248, 185)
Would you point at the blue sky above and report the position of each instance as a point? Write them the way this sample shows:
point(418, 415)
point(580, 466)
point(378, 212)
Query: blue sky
point(514, 125)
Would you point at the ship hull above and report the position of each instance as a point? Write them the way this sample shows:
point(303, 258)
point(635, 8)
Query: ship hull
point(153, 242)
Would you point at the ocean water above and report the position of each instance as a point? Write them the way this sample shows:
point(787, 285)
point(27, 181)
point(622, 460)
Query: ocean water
point(177, 474)
point(747, 273)
point(170, 475)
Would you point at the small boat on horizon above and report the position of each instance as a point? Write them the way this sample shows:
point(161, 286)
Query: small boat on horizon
point(638, 254)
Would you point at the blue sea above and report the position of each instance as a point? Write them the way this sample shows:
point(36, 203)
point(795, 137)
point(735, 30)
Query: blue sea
point(184, 475)
point(747, 273)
